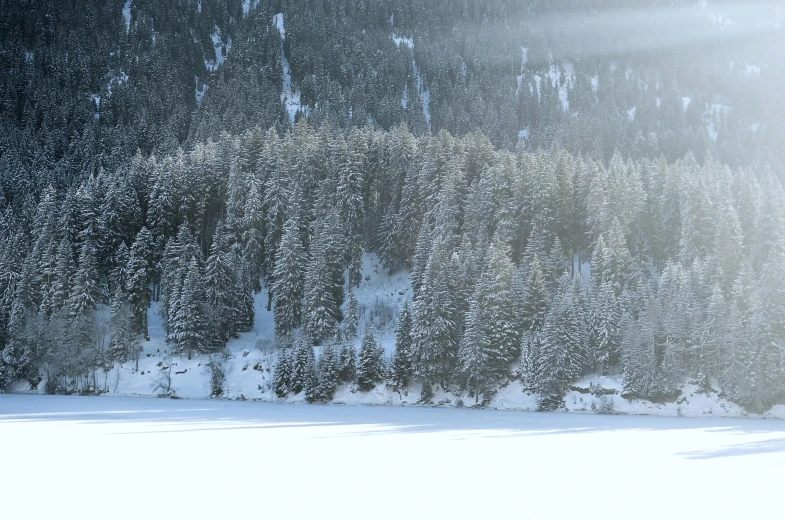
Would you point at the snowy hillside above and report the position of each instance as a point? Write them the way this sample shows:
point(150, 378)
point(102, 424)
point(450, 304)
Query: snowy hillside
point(252, 358)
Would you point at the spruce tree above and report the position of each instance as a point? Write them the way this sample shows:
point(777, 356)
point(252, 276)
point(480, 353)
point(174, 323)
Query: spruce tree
point(402, 370)
point(348, 364)
point(288, 282)
point(282, 377)
point(476, 352)
point(370, 367)
point(138, 275)
point(190, 330)
point(352, 321)
point(329, 373)
point(304, 370)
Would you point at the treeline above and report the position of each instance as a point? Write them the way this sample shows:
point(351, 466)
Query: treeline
point(539, 265)
point(82, 90)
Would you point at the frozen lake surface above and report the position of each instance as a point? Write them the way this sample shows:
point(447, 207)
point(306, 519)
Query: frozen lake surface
point(125, 457)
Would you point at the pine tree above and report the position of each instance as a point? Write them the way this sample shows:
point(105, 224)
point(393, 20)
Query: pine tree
point(124, 343)
point(138, 276)
point(243, 296)
point(190, 331)
point(562, 356)
point(64, 275)
point(605, 318)
point(85, 292)
point(282, 377)
point(289, 271)
point(352, 321)
point(323, 285)
point(303, 370)
point(329, 373)
point(350, 201)
point(435, 327)
point(402, 370)
point(370, 368)
point(348, 364)
point(220, 279)
point(475, 352)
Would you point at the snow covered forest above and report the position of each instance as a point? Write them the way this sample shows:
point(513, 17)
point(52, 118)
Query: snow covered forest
point(564, 202)
point(541, 266)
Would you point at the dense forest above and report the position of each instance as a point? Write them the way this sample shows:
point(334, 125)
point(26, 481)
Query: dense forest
point(543, 266)
point(571, 191)
point(87, 84)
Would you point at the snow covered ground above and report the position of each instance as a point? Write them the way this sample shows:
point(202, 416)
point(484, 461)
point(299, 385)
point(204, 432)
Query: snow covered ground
point(123, 457)
point(290, 96)
point(380, 296)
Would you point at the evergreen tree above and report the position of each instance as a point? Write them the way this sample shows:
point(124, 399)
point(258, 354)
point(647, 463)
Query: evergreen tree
point(138, 275)
point(124, 343)
point(220, 283)
point(288, 282)
point(562, 356)
point(352, 321)
point(189, 327)
point(402, 370)
point(329, 373)
point(605, 319)
point(323, 285)
point(348, 364)
point(370, 366)
point(476, 352)
point(85, 292)
point(282, 377)
point(304, 371)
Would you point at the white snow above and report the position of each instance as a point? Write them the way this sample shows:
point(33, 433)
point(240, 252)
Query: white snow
point(524, 59)
point(631, 113)
point(380, 296)
point(278, 22)
point(754, 127)
point(127, 15)
point(221, 51)
point(595, 83)
point(159, 458)
point(659, 102)
point(523, 134)
point(409, 42)
point(753, 70)
point(422, 90)
point(290, 96)
point(685, 103)
point(537, 83)
point(562, 77)
point(716, 112)
point(247, 6)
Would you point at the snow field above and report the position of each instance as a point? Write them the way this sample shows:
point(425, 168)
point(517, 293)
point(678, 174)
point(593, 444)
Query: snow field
point(158, 458)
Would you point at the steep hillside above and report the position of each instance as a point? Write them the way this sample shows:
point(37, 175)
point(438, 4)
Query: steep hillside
point(249, 364)
point(89, 83)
